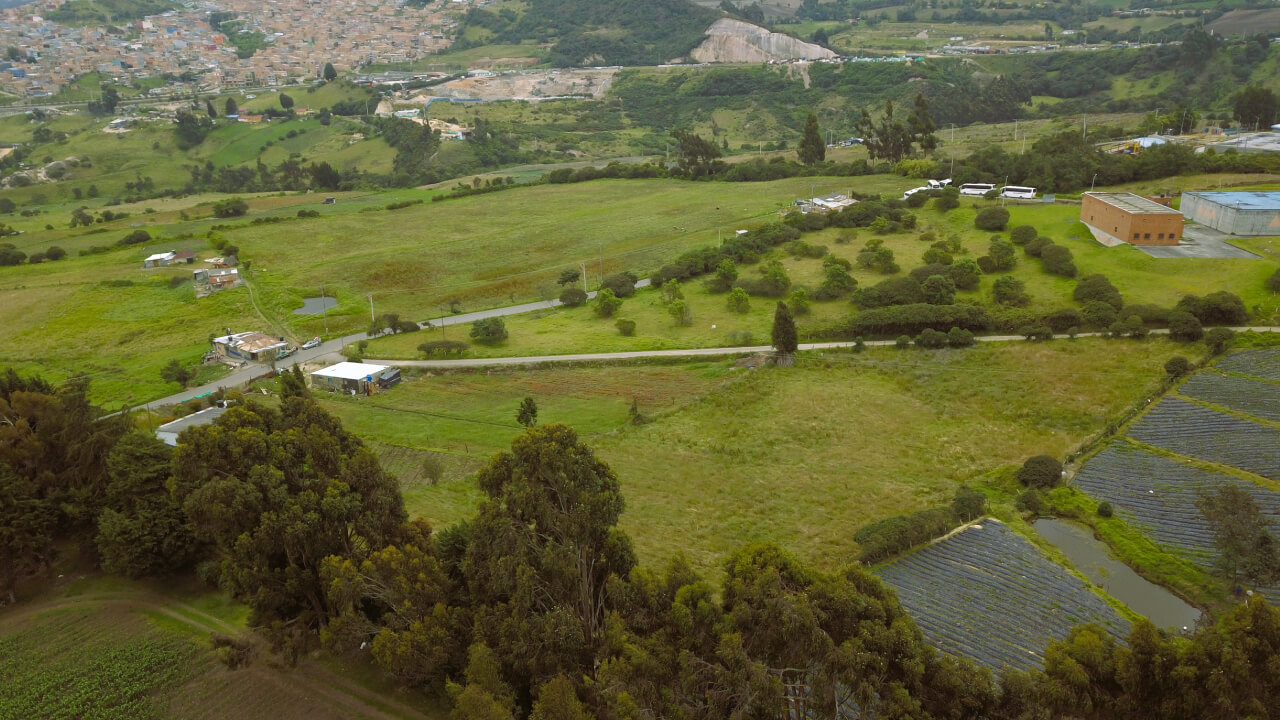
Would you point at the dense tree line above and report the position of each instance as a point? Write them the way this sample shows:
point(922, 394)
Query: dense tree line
point(537, 607)
point(1068, 162)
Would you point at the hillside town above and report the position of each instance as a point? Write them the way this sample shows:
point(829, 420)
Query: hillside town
point(208, 46)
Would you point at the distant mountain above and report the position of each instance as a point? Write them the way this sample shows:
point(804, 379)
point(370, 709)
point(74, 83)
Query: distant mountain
point(596, 32)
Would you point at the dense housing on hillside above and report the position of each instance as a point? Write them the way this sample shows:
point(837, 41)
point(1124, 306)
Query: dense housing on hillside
point(1116, 218)
point(1235, 213)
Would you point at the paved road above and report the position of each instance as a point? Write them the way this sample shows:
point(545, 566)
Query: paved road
point(332, 349)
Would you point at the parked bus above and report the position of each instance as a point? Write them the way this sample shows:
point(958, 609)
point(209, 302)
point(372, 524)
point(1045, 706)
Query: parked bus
point(1017, 191)
point(978, 189)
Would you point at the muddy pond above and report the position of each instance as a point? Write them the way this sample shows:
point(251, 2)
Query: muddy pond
point(1091, 557)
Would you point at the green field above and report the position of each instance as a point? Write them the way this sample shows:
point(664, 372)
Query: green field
point(1141, 279)
point(147, 149)
point(801, 457)
point(104, 315)
point(103, 647)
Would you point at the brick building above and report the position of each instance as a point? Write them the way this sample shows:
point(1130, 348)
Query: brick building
point(1116, 218)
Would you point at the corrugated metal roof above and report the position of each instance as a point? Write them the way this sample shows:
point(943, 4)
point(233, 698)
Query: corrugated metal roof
point(1243, 199)
point(351, 371)
point(1134, 204)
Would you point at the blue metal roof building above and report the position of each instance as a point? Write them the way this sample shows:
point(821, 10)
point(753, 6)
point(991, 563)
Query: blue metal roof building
point(1234, 212)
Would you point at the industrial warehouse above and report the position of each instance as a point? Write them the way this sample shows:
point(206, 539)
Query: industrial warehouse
point(1241, 213)
point(1116, 218)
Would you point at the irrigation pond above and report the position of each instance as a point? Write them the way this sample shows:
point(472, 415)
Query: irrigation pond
point(1091, 557)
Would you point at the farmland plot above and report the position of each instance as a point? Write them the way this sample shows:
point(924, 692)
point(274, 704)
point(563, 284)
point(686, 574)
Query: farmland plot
point(1159, 495)
point(1189, 429)
point(78, 664)
point(989, 595)
point(1255, 397)
point(1263, 363)
point(1260, 399)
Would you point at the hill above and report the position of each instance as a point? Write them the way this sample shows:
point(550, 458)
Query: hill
point(105, 12)
point(594, 32)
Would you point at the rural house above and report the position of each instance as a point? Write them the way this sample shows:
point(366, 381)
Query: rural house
point(354, 378)
point(207, 282)
point(250, 346)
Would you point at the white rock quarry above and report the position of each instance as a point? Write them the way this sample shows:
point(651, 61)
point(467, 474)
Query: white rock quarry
point(739, 42)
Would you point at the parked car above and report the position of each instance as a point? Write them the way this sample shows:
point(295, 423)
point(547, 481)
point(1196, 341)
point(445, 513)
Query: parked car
point(313, 342)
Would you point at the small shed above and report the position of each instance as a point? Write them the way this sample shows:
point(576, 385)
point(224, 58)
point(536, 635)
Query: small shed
point(168, 433)
point(158, 260)
point(351, 377)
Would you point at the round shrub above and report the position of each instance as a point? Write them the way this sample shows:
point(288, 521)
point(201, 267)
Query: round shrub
point(1040, 471)
point(1177, 366)
point(1022, 234)
point(1104, 509)
point(1030, 501)
point(1062, 320)
point(1185, 327)
point(1036, 246)
point(1273, 282)
point(573, 296)
point(626, 327)
point(992, 219)
point(1099, 314)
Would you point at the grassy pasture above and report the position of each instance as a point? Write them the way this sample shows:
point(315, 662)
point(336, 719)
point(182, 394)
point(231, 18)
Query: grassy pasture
point(464, 418)
point(1141, 278)
point(801, 457)
point(104, 314)
point(148, 149)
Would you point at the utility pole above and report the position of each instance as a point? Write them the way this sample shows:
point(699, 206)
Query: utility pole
point(1091, 182)
point(601, 250)
point(324, 307)
point(719, 242)
point(584, 276)
point(372, 317)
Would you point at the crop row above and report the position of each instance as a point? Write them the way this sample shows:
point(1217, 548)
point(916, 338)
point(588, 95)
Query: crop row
point(1255, 397)
point(1189, 429)
point(989, 595)
point(1159, 495)
point(1263, 363)
point(66, 667)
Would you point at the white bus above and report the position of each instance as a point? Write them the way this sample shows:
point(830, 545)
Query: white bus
point(1017, 191)
point(978, 189)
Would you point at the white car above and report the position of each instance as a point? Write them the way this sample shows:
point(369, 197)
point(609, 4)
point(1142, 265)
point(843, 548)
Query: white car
point(313, 342)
